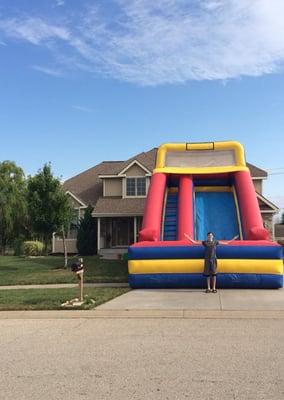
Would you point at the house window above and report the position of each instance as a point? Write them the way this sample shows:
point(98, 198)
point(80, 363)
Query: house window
point(130, 187)
point(135, 186)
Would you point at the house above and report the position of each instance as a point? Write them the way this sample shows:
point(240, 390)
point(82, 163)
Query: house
point(279, 233)
point(117, 191)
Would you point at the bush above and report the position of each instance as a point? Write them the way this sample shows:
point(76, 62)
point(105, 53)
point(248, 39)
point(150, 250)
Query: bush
point(33, 248)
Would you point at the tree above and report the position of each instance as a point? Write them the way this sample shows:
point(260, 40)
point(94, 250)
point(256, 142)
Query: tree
point(49, 208)
point(65, 214)
point(87, 234)
point(13, 204)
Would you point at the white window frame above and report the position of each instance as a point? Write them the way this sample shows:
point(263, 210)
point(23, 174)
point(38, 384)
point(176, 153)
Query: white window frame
point(124, 189)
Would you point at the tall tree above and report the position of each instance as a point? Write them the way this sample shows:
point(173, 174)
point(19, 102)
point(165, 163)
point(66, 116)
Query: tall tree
point(13, 204)
point(65, 214)
point(49, 209)
point(87, 234)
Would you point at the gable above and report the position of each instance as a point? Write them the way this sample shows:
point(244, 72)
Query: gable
point(135, 167)
point(135, 170)
point(265, 205)
point(75, 201)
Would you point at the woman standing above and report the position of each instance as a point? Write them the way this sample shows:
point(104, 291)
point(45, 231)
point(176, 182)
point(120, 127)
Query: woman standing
point(210, 259)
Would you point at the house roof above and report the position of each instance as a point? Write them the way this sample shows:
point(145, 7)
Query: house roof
point(88, 187)
point(266, 205)
point(256, 172)
point(147, 159)
point(115, 206)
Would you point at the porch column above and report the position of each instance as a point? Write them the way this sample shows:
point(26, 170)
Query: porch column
point(135, 229)
point(98, 233)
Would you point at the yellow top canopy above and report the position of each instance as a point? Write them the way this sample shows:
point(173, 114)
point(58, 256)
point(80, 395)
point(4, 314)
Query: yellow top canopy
point(200, 158)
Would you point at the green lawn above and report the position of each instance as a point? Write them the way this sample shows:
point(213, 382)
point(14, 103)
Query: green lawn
point(51, 299)
point(20, 270)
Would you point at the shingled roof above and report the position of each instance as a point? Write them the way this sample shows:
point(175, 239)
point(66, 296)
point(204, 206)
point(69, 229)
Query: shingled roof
point(107, 206)
point(88, 187)
point(256, 172)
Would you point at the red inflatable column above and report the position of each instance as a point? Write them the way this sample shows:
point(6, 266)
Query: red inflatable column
point(185, 207)
point(250, 212)
point(151, 228)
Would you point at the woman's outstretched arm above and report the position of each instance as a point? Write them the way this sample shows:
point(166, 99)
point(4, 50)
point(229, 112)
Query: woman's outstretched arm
point(190, 239)
point(229, 241)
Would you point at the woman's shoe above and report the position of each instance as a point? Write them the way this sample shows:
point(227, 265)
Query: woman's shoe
point(214, 291)
point(208, 291)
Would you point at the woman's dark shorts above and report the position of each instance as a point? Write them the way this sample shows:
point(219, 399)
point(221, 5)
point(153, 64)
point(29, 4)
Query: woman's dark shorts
point(210, 268)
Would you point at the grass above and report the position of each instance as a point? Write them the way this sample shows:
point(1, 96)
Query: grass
point(43, 270)
point(51, 299)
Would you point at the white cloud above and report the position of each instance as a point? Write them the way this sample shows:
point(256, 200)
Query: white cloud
point(47, 70)
point(60, 3)
point(166, 41)
point(33, 30)
point(2, 43)
point(83, 108)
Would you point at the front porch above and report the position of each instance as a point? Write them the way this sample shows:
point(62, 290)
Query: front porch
point(115, 234)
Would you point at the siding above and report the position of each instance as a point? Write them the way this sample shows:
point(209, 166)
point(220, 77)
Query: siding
point(258, 185)
point(113, 187)
point(135, 170)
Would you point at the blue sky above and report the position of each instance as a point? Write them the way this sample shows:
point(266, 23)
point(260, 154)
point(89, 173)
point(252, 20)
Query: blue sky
point(86, 81)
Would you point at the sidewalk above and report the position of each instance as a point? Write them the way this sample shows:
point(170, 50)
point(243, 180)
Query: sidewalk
point(65, 286)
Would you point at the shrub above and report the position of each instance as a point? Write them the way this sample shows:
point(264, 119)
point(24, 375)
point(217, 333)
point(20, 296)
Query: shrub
point(33, 248)
point(87, 234)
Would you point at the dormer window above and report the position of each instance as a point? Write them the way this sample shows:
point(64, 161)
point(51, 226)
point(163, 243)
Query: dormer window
point(135, 187)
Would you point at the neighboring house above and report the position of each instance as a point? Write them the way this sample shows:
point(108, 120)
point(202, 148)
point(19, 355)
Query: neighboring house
point(279, 233)
point(117, 191)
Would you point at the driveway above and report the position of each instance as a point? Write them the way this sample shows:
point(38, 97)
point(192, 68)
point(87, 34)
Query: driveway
point(198, 300)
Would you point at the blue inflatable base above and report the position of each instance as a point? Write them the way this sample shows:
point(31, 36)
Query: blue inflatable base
point(226, 281)
point(192, 252)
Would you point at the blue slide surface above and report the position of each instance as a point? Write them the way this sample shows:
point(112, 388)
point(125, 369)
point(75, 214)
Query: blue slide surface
point(215, 212)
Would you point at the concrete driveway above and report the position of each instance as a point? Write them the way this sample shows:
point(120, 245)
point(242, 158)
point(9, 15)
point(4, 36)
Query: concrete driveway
point(190, 301)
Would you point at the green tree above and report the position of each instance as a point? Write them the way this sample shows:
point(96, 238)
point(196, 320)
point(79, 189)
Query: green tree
point(87, 234)
point(65, 213)
point(49, 207)
point(13, 204)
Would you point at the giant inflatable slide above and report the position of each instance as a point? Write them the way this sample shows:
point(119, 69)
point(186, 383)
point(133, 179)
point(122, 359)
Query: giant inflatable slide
point(196, 188)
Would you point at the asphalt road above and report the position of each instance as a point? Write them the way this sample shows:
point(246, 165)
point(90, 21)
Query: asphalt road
point(124, 359)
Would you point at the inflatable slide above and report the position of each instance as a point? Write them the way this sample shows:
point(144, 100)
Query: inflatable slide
point(196, 188)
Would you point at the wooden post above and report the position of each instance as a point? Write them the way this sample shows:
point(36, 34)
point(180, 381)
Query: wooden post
point(80, 275)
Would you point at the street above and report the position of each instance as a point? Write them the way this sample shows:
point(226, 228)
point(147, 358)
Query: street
point(142, 359)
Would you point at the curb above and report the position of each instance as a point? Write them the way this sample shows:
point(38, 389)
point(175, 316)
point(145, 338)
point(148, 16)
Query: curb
point(129, 314)
point(65, 286)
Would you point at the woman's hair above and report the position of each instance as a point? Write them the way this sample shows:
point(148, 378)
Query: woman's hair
point(210, 233)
